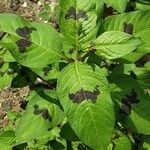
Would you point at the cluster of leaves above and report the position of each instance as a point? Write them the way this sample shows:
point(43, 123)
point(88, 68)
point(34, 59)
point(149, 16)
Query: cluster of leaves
point(95, 73)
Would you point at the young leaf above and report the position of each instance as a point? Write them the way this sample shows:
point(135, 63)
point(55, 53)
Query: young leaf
point(113, 44)
point(84, 95)
point(79, 21)
point(137, 20)
point(119, 5)
point(32, 44)
point(136, 23)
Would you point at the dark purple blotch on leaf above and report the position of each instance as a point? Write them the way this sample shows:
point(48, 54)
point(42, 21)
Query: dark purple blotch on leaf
point(143, 60)
point(47, 69)
point(25, 32)
point(82, 14)
point(125, 109)
point(23, 44)
point(127, 102)
point(43, 112)
point(82, 95)
point(128, 28)
point(73, 14)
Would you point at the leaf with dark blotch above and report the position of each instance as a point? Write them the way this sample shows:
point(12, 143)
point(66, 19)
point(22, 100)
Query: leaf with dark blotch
point(47, 69)
point(25, 31)
point(142, 61)
point(82, 14)
point(43, 112)
point(23, 104)
point(82, 95)
point(128, 28)
point(71, 13)
point(132, 97)
point(36, 106)
point(36, 110)
point(128, 101)
point(71, 51)
point(23, 44)
point(45, 115)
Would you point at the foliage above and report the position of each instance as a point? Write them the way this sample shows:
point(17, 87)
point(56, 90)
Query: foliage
point(94, 72)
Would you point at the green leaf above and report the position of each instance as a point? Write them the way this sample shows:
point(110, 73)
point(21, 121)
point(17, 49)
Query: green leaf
point(79, 21)
point(142, 6)
point(122, 142)
point(6, 75)
point(146, 144)
point(128, 90)
point(147, 65)
point(38, 44)
point(145, 38)
point(68, 133)
point(119, 5)
point(114, 44)
point(136, 22)
point(7, 137)
point(48, 72)
point(139, 20)
point(83, 93)
point(141, 74)
point(4, 146)
point(39, 116)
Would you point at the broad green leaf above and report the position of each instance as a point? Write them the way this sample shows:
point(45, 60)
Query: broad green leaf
point(119, 5)
point(136, 23)
point(39, 116)
point(83, 93)
point(129, 90)
point(114, 44)
point(38, 44)
point(80, 21)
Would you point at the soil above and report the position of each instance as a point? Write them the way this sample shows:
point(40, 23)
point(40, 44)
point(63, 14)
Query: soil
point(29, 9)
point(12, 99)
